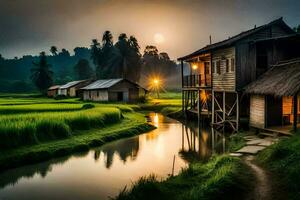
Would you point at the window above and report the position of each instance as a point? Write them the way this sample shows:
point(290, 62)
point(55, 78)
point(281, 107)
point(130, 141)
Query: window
point(232, 64)
point(213, 67)
point(218, 67)
point(227, 65)
point(206, 68)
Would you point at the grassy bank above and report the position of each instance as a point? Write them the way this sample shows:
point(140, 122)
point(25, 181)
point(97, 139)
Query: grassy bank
point(32, 128)
point(283, 159)
point(169, 103)
point(223, 177)
point(132, 124)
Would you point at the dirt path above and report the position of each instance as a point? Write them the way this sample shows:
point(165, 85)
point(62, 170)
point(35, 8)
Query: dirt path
point(262, 190)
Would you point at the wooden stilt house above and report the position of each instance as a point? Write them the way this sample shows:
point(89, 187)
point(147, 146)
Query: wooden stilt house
point(219, 72)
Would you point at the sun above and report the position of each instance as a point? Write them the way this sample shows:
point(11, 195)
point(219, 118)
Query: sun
point(159, 38)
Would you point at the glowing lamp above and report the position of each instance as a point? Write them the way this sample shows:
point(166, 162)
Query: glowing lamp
point(194, 66)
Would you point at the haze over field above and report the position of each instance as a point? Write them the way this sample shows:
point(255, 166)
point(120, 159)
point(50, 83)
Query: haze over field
point(175, 26)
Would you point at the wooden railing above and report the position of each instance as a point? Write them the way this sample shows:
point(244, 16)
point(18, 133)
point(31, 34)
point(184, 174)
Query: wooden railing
point(197, 80)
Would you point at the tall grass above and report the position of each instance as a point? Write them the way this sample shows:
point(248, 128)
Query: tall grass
point(15, 109)
point(223, 177)
point(33, 128)
point(283, 159)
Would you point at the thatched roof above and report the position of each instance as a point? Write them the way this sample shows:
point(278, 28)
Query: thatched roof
point(232, 40)
point(282, 79)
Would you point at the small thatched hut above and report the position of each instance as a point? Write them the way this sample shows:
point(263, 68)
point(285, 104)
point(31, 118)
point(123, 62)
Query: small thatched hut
point(274, 96)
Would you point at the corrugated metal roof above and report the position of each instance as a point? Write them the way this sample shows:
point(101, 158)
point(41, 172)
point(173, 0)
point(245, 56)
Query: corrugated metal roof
point(54, 87)
point(70, 84)
point(232, 40)
point(102, 84)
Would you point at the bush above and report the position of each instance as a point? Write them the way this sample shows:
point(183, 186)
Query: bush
point(88, 106)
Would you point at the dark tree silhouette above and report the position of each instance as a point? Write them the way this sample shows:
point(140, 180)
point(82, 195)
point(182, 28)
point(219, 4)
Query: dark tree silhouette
point(95, 51)
point(128, 58)
point(53, 50)
point(64, 53)
point(151, 51)
point(41, 75)
point(105, 69)
point(297, 28)
point(83, 70)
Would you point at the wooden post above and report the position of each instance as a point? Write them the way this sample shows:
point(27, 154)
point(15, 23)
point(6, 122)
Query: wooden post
point(295, 112)
point(198, 107)
point(237, 112)
point(224, 101)
point(213, 108)
point(182, 74)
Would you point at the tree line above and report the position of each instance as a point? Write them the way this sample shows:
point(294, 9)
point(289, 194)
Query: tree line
point(103, 60)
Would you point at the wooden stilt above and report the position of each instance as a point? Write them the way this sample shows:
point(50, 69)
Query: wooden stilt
point(213, 108)
point(295, 112)
point(237, 112)
point(224, 103)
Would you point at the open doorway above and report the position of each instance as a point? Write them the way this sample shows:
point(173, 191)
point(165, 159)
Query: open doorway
point(120, 96)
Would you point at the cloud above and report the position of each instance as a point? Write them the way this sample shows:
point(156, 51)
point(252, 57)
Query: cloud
point(30, 26)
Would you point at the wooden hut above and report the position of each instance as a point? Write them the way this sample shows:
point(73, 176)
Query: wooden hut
point(53, 90)
point(219, 72)
point(72, 89)
point(274, 97)
point(121, 90)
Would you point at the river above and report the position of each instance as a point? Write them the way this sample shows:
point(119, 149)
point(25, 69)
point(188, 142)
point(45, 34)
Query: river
point(103, 172)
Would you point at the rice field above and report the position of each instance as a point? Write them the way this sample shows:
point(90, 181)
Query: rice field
point(28, 121)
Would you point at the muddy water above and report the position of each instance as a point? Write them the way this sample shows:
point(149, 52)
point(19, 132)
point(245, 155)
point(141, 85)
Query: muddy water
point(102, 172)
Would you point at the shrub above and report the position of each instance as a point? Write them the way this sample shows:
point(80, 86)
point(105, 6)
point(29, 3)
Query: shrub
point(88, 106)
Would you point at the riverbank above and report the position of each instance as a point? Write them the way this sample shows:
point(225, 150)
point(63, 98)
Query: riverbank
point(222, 177)
point(132, 124)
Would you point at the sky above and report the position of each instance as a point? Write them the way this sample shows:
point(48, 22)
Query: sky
point(177, 27)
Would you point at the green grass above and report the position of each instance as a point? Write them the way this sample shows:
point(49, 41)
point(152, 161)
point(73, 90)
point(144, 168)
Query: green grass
point(283, 159)
point(223, 177)
point(132, 124)
point(169, 103)
point(33, 128)
point(236, 142)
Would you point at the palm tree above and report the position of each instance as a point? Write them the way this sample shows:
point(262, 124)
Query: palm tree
point(53, 50)
point(107, 39)
point(95, 49)
point(41, 75)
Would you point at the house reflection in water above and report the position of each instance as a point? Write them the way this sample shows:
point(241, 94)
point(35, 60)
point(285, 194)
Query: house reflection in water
point(199, 143)
point(126, 148)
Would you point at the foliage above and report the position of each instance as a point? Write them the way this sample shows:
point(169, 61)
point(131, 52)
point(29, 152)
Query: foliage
point(223, 177)
point(41, 74)
point(159, 65)
point(236, 142)
point(283, 159)
point(83, 70)
point(297, 28)
point(120, 60)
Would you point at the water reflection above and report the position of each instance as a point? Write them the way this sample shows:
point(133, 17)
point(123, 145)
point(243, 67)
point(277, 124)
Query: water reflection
point(125, 149)
point(199, 143)
point(104, 171)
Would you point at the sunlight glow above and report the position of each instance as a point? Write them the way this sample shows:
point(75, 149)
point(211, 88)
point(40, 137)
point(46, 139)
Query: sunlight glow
point(159, 38)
